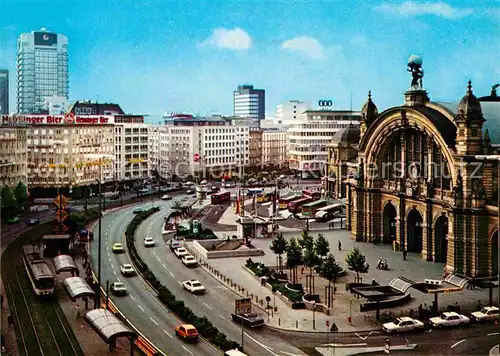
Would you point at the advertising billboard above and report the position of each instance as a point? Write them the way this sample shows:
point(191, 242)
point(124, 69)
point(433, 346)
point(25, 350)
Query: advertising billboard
point(45, 39)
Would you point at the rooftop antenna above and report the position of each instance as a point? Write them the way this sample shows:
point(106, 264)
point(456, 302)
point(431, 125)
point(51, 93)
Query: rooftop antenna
point(350, 108)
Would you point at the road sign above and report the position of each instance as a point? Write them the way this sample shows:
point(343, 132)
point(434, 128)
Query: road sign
point(61, 215)
point(327, 323)
point(60, 200)
point(243, 305)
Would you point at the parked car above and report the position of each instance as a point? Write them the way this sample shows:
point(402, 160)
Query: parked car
point(194, 286)
point(229, 185)
point(204, 182)
point(487, 314)
point(181, 252)
point(190, 191)
point(189, 261)
point(117, 248)
point(166, 197)
point(174, 244)
point(449, 319)
point(127, 270)
point(149, 242)
point(403, 324)
point(214, 189)
point(14, 220)
point(187, 332)
point(137, 210)
point(118, 288)
point(33, 222)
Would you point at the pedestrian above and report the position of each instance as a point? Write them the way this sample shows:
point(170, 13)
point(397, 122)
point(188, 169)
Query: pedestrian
point(404, 255)
point(340, 246)
point(420, 310)
point(77, 311)
point(10, 320)
point(1, 301)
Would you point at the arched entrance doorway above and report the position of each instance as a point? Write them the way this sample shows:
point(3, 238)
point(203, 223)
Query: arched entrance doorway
point(389, 223)
point(494, 254)
point(440, 242)
point(414, 231)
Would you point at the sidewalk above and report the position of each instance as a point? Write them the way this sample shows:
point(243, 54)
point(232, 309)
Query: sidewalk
point(8, 332)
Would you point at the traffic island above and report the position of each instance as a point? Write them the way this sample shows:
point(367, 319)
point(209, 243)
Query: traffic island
point(217, 248)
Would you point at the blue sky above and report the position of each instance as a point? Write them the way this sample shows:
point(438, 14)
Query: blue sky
point(157, 56)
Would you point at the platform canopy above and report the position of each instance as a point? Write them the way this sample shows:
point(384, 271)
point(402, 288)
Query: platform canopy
point(77, 287)
point(64, 263)
point(107, 325)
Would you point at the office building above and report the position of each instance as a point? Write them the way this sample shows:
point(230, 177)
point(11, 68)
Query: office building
point(274, 148)
point(42, 69)
point(290, 112)
point(308, 139)
point(250, 102)
point(13, 155)
point(4, 92)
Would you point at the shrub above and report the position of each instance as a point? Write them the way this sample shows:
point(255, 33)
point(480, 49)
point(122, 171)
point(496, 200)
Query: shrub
point(298, 305)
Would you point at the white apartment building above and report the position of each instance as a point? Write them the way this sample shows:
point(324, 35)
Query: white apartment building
point(154, 148)
point(204, 146)
point(274, 147)
point(42, 69)
point(290, 112)
point(64, 151)
point(132, 151)
point(308, 139)
point(13, 155)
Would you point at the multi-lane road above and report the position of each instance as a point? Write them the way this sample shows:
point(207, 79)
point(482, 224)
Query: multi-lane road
point(147, 313)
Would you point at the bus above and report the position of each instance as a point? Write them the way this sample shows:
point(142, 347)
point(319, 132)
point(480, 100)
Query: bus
point(311, 208)
point(283, 202)
point(39, 273)
point(265, 197)
point(220, 197)
point(316, 195)
point(327, 213)
point(252, 192)
point(295, 206)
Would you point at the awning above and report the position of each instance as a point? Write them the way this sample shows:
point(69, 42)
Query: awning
point(107, 325)
point(64, 263)
point(77, 287)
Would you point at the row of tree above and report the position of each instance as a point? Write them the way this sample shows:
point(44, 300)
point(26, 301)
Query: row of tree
point(314, 254)
point(13, 199)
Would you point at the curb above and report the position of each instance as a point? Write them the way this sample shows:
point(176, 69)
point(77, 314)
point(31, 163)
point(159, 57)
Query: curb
point(275, 328)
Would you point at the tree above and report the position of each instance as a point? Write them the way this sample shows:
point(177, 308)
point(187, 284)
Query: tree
point(21, 194)
point(321, 246)
point(306, 241)
point(293, 258)
point(311, 260)
point(356, 262)
point(7, 200)
point(330, 270)
point(278, 246)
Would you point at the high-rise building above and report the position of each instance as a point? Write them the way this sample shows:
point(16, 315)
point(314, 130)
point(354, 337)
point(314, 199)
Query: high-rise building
point(42, 69)
point(250, 102)
point(4, 91)
point(290, 112)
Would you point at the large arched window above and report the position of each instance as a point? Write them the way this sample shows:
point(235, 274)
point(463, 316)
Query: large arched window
point(440, 170)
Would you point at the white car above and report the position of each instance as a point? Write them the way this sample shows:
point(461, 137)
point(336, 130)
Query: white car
point(403, 324)
point(166, 197)
point(149, 241)
point(189, 261)
point(118, 288)
point(449, 319)
point(127, 270)
point(181, 252)
point(194, 286)
point(486, 314)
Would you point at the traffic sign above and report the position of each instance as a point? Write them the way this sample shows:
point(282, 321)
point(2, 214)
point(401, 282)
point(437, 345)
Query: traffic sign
point(60, 200)
point(61, 215)
point(327, 323)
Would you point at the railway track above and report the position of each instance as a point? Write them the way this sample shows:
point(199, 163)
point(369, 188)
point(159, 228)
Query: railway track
point(41, 327)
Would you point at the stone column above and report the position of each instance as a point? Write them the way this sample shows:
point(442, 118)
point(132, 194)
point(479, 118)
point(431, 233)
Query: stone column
point(428, 252)
point(402, 222)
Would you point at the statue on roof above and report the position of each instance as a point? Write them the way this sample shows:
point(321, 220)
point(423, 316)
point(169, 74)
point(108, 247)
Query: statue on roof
point(415, 68)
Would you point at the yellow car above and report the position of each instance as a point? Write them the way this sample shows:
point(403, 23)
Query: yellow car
point(118, 248)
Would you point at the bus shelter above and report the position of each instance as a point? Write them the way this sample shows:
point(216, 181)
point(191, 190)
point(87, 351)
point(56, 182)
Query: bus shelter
point(65, 263)
point(109, 328)
point(77, 287)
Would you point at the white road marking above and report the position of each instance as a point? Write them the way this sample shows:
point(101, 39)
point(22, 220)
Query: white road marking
point(131, 296)
point(458, 343)
point(154, 252)
point(345, 345)
point(208, 306)
point(154, 321)
point(172, 274)
point(366, 337)
point(109, 258)
point(288, 353)
point(164, 266)
point(114, 272)
point(158, 258)
point(267, 348)
point(166, 332)
point(223, 317)
point(185, 348)
point(140, 307)
point(492, 334)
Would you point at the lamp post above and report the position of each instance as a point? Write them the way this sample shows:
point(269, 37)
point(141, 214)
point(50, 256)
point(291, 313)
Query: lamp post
point(314, 315)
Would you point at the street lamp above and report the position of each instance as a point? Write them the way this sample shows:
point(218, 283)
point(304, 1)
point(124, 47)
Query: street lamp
point(99, 249)
point(314, 315)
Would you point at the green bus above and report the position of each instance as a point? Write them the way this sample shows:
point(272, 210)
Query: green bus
point(310, 209)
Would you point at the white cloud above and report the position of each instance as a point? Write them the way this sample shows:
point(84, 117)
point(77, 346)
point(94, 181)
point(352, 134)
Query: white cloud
point(414, 8)
point(234, 39)
point(306, 46)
